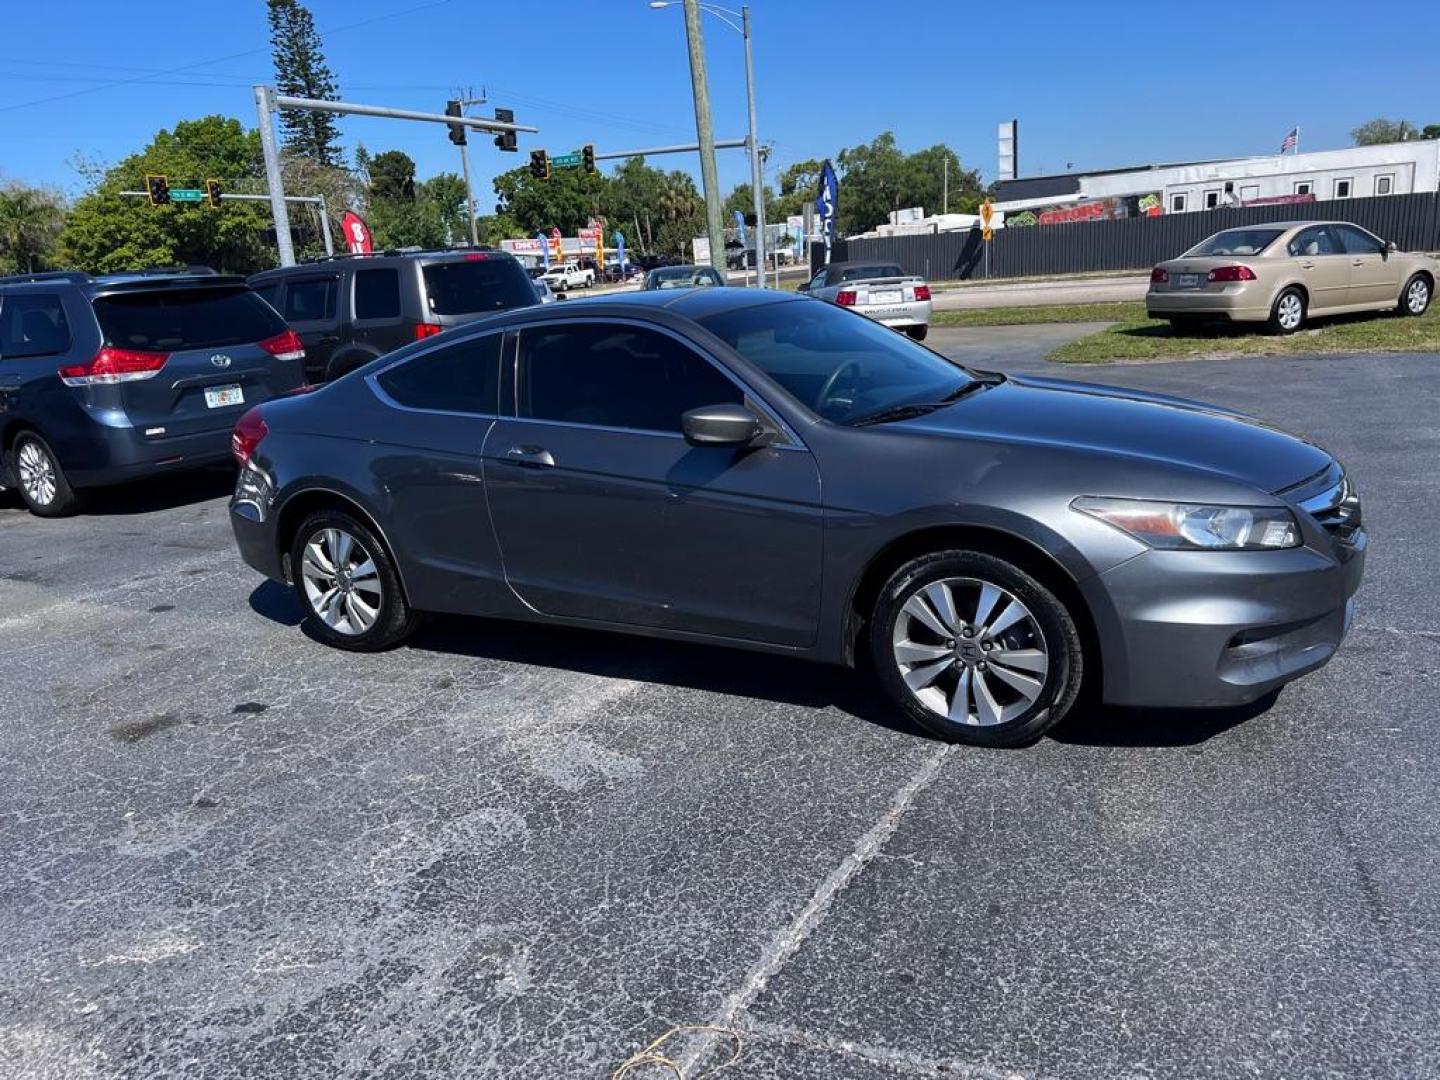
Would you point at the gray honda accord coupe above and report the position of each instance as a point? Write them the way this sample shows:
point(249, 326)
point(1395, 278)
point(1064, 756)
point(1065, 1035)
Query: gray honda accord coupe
point(745, 468)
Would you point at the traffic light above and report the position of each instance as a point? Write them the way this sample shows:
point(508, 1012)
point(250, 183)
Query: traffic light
point(212, 192)
point(587, 157)
point(540, 164)
point(158, 188)
point(457, 131)
point(506, 139)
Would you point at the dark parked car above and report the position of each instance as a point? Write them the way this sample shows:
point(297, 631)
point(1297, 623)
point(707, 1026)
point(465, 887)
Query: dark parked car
point(754, 469)
point(350, 309)
point(116, 378)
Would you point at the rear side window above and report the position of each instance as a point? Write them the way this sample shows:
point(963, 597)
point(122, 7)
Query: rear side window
point(464, 377)
point(269, 292)
point(377, 294)
point(172, 319)
point(615, 376)
point(310, 300)
point(32, 326)
point(466, 286)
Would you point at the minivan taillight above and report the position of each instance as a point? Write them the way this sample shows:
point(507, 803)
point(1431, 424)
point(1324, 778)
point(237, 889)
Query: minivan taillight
point(922, 292)
point(426, 329)
point(249, 430)
point(1158, 276)
point(1231, 273)
point(112, 365)
point(285, 345)
point(845, 298)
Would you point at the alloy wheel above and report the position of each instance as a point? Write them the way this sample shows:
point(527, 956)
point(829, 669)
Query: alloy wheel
point(1417, 297)
point(37, 473)
point(341, 581)
point(970, 651)
point(1290, 311)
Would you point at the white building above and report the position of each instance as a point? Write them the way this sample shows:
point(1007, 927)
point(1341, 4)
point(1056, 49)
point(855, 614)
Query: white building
point(914, 222)
point(1355, 172)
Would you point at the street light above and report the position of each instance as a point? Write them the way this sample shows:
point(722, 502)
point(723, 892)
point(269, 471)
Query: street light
point(728, 16)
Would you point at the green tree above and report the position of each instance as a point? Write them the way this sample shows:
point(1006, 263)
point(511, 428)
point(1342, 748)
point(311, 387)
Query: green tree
point(1430, 131)
point(877, 179)
point(392, 175)
point(30, 222)
point(741, 199)
point(492, 228)
point(923, 182)
point(107, 231)
point(797, 187)
point(1377, 131)
point(446, 191)
point(567, 201)
point(301, 71)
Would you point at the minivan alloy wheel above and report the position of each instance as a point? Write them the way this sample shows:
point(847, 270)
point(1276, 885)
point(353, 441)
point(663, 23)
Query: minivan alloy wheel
point(970, 651)
point(36, 473)
point(341, 581)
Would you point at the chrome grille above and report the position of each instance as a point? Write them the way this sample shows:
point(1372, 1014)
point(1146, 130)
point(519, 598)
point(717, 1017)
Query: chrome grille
point(1336, 507)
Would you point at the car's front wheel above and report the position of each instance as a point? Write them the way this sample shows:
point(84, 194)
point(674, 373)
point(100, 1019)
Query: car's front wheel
point(40, 478)
point(917, 332)
point(1288, 312)
point(1415, 300)
point(974, 649)
point(347, 584)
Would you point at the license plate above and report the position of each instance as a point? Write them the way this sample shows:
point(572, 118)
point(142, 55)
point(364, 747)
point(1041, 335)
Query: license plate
point(1187, 281)
point(218, 397)
point(886, 296)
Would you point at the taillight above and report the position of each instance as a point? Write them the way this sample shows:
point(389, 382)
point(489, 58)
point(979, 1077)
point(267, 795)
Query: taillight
point(845, 298)
point(249, 430)
point(922, 292)
point(1231, 273)
point(112, 365)
point(285, 345)
point(1158, 276)
point(426, 329)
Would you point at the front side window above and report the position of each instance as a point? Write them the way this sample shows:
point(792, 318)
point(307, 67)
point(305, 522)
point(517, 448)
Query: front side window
point(818, 281)
point(837, 364)
point(377, 293)
point(269, 292)
point(611, 375)
point(464, 377)
point(310, 300)
point(32, 326)
point(1358, 242)
point(1319, 240)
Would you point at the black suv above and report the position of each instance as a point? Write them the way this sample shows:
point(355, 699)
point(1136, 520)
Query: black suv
point(350, 309)
point(109, 379)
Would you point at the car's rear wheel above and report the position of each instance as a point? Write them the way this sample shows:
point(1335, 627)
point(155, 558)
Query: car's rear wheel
point(347, 584)
point(974, 649)
point(1287, 314)
point(1415, 300)
point(40, 478)
point(917, 332)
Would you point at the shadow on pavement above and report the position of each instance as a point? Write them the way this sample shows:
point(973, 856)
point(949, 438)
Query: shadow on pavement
point(1101, 725)
point(163, 492)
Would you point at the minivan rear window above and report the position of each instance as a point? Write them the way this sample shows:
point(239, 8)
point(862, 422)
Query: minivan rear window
point(173, 319)
point(467, 286)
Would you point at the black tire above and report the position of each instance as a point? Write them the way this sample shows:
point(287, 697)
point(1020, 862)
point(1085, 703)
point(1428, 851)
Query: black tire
point(1060, 641)
point(29, 448)
point(1280, 318)
point(1418, 285)
point(917, 332)
point(395, 620)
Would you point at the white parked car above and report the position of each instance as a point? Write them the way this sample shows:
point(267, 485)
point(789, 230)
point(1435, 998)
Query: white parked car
point(570, 275)
point(879, 290)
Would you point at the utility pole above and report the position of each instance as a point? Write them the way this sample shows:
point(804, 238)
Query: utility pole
point(757, 180)
point(945, 199)
point(705, 135)
point(466, 100)
point(265, 107)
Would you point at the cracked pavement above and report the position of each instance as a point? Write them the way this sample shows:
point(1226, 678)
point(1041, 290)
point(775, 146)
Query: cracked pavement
point(509, 851)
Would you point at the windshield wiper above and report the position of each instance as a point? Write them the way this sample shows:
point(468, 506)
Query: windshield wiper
point(920, 408)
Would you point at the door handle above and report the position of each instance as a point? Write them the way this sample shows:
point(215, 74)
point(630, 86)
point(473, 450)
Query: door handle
point(533, 457)
point(1357, 262)
point(1307, 266)
point(329, 339)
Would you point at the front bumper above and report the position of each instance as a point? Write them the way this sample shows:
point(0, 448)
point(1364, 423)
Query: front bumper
point(1207, 629)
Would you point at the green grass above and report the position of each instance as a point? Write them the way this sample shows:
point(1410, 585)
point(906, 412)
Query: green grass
point(1053, 313)
point(1135, 337)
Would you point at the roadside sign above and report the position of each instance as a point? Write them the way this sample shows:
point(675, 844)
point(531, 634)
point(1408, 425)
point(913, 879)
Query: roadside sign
point(187, 194)
point(565, 161)
point(987, 235)
point(987, 214)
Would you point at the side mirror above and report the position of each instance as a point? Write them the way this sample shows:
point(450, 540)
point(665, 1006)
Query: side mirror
point(721, 425)
point(562, 296)
point(803, 288)
point(1390, 246)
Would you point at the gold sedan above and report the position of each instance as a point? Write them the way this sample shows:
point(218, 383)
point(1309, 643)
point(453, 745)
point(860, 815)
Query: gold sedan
point(1285, 272)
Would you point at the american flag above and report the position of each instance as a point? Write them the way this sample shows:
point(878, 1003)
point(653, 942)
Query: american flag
point(1291, 141)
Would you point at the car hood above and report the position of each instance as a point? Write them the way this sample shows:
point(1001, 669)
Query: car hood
point(1130, 423)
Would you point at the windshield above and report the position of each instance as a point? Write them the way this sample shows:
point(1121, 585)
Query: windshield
point(466, 286)
point(168, 320)
point(1236, 242)
point(834, 362)
point(864, 273)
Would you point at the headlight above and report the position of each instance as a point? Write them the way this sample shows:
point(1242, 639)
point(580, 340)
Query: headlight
point(1196, 527)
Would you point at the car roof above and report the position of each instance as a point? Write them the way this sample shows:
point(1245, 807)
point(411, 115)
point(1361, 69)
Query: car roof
point(683, 266)
point(692, 304)
point(380, 258)
point(198, 277)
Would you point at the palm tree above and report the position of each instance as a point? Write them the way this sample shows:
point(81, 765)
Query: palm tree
point(30, 222)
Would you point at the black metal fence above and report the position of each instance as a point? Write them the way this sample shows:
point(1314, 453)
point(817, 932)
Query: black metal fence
point(1411, 221)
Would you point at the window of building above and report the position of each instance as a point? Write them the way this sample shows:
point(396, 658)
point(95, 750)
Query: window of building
point(1249, 191)
point(611, 375)
point(1385, 184)
point(310, 300)
point(1212, 200)
point(1177, 204)
point(1342, 188)
point(464, 377)
point(377, 293)
point(32, 326)
point(1304, 187)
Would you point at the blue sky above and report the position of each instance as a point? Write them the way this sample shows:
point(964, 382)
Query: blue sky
point(1100, 86)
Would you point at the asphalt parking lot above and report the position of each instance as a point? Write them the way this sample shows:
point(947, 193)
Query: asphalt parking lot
point(512, 852)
